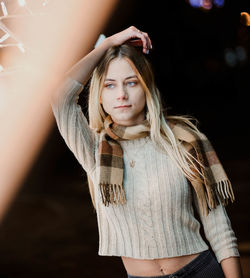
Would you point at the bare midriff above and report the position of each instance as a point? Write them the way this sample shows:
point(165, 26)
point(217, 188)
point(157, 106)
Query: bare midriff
point(156, 267)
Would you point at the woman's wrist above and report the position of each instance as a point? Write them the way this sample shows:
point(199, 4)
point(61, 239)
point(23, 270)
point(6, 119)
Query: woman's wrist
point(106, 44)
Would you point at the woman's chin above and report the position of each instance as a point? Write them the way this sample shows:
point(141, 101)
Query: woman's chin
point(127, 121)
point(127, 118)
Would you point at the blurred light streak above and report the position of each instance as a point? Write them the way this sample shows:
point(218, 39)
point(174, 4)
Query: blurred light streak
point(8, 32)
point(61, 38)
point(4, 37)
point(20, 46)
point(4, 9)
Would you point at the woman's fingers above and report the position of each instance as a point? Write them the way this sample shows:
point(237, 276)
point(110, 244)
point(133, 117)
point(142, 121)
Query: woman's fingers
point(143, 36)
point(144, 41)
point(135, 37)
point(149, 44)
point(135, 42)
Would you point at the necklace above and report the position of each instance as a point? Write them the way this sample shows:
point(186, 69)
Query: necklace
point(132, 161)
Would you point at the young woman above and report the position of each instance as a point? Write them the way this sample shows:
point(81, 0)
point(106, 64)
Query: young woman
point(147, 171)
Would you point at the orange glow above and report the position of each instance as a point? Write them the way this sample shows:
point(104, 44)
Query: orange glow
point(245, 18)
point(57, 39)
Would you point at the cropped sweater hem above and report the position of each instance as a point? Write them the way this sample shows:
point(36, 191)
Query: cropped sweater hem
point(153, 257)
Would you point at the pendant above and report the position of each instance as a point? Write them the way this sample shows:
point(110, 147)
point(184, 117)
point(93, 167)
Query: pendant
point(132, 163)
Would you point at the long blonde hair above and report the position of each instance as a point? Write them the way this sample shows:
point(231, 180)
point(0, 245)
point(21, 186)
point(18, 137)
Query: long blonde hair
point(160, 132)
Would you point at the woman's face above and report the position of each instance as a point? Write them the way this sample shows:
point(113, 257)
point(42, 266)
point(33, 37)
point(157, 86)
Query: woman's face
point(122, 96)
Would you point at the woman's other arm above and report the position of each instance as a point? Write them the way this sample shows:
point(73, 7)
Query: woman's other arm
point(232, 267)
point(72, 124)
point(219, 233)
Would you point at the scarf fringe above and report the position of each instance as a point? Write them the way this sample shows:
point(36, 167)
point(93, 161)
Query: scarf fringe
point(112, 194)
point(221, 191)
point(225, 191)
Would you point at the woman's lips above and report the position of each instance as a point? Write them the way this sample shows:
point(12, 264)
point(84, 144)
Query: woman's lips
point(123, 106)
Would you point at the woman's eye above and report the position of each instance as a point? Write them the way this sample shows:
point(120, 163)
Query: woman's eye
point(132, 83)
point(109, 86)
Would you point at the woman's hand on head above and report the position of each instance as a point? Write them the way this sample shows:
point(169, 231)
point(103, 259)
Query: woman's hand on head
point(133, 36)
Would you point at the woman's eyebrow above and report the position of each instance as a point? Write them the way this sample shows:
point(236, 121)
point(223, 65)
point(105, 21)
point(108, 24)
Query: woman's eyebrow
point(132, 76)
point(111, 79)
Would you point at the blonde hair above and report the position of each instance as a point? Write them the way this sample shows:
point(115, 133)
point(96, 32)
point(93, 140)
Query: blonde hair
point(160, 132)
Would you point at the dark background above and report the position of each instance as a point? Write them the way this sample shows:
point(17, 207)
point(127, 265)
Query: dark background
point(51, 228)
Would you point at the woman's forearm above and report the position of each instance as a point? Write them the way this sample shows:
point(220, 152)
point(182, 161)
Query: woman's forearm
point(82, 70)
point(231, 267)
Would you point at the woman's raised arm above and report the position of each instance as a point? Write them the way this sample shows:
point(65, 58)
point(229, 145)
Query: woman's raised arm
point(83, 69)
point(71, 122)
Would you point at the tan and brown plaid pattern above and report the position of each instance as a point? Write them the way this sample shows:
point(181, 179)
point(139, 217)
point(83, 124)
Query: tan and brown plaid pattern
point(111, 158)
point(216, 185)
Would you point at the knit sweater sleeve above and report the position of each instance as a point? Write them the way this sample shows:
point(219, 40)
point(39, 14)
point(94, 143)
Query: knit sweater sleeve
point(218, 231)
point(72, 124)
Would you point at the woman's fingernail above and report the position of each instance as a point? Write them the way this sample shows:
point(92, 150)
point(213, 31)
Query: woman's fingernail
point(147, 51)
point(151, 46)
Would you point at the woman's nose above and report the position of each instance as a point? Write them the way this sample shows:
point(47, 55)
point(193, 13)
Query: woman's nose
point(122, 94)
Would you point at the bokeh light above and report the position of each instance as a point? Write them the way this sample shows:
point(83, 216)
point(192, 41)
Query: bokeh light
point(230, 58)
point(241, 53)
point(219, 3)
point(196, 3)
point(206, 4)
point(234, 57)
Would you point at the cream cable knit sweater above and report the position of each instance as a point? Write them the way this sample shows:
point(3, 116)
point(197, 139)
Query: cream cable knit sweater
point(158, 219)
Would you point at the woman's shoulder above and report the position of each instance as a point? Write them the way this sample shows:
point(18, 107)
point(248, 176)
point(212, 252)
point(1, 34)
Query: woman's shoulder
point(184, 127)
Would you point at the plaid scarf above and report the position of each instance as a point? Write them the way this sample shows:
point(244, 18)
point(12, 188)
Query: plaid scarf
point(210, 190)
